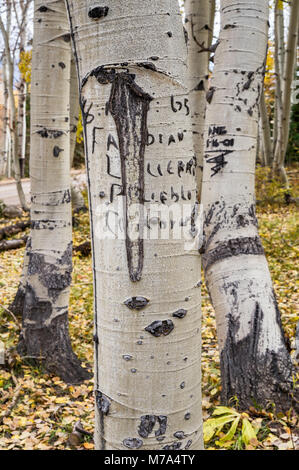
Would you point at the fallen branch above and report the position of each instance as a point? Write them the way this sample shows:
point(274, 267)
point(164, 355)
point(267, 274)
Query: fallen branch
point(11, 230)
point(84, 249)
point(14, 399)
point(14, 244)
point(10, 313)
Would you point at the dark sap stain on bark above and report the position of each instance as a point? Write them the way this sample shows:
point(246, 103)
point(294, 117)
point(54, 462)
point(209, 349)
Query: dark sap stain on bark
point(250, 78)
point(103, 406)
point(179, 435)
point(229, 26)
point(129, 106)
point(36, 311)
point(233, 247)
point(147, 65)
point(188, 444)
point(210, 94)
point(43, 9)
point(162, 421)
point(147, 423)
point(136, 303)
point(252, 377)
point(174, 446)
point(98, 12)
point(102, 402)
point(56, 151)
point(53, 199)
point(49, 133)
point(160, 328)
point(200, 86)
point(50, 344)
point(132, 443)
point(54, 277)
point(127, 357)
point(95, 339)
point(181, 313)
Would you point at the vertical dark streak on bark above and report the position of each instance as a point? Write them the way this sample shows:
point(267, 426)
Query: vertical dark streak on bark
point(128, 104)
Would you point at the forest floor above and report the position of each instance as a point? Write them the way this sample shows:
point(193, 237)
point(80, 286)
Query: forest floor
point(39, 411)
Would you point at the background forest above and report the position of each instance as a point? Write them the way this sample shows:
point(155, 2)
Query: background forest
point(40, 408)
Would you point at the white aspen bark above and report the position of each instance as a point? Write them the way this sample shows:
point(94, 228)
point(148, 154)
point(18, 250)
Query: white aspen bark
point(23, 147)
point(13, 114)
point(266, 131)
point(212, 20)
point(131, 59)
point(22, 95)
point(78, 203)
point(255, 364)
point(22, 126)
point(281, 43)
point(279, 142)
point(197, 29)
point(6, 115)
point(288, 75)
point(49, 258)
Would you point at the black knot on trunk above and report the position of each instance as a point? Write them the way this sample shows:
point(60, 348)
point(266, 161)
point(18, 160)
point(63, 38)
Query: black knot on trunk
point(98, 12)
point(159, 328)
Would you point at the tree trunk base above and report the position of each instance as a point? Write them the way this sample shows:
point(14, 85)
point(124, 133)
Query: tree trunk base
point(17, 305)
point(52, 347)
point(260, 381)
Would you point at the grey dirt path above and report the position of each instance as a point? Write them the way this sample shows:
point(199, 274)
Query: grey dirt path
point(8, 192)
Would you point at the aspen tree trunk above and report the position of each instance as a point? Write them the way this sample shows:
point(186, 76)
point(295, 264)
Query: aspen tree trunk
point(197, 34)
point(22, 99)
point(6, 116)
point(288, 74)
point(22, 126)
point(77, 198)
point(266, 131)
point(13, 113)
point(278, 87)
point(212, 20)
point(131, 61)
point(49, 257)
point(255, 364)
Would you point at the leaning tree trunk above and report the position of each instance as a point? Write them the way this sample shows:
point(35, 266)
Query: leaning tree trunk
point(13, 112)
point(265, 131)
point(198, 15)
point(255, 364)
point(5, 116)
point(288, 74)
point(49, 264)
point(140, 158)
point(278, 124)
point(78, 203)
point(22, 106)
